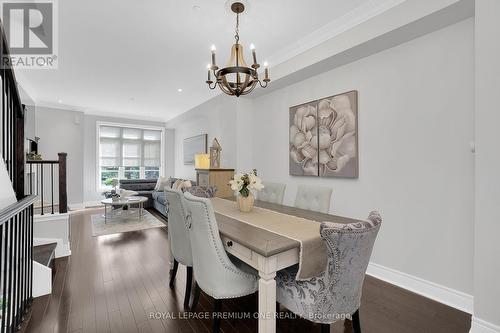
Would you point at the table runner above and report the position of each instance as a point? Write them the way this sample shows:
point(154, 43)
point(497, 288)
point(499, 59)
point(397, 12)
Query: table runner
point(312, 254)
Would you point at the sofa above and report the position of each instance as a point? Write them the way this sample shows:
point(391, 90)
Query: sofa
point(146, 188)
point(143, 187)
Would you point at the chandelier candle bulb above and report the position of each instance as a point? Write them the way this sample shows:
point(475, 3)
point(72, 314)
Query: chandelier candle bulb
point(252, 47)
point(266, 71)
point(213, 56)
point(237, 78)
point(209, 76)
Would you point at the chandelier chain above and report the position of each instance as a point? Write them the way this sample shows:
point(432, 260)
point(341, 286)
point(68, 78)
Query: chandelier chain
point(237, 30)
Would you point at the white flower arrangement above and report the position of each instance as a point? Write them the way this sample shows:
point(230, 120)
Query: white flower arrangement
point(245, 183)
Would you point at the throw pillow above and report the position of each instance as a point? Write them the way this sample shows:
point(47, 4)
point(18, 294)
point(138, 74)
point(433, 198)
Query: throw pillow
point(184, 185)
point(177, 183)
point(161, 183)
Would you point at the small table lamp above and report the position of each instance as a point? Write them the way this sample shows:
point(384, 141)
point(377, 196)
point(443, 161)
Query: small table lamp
point(202, 161)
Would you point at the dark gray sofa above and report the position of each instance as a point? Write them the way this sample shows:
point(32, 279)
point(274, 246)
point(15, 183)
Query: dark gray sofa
point(146, 188)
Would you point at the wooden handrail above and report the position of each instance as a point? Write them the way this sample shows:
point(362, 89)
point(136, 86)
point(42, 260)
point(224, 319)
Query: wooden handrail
point(42, 161)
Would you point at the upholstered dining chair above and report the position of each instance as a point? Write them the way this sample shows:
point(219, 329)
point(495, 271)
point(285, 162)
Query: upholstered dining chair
point(335, 294)
point(214, 272)
point(179, 239)
point(272, 192)
point(316, 198)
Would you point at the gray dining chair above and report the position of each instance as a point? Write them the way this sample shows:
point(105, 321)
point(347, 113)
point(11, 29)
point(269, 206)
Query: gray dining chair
point(179, 239)
point(214, 272)
point(315, 198)
point(272, 192)
point(334, 294)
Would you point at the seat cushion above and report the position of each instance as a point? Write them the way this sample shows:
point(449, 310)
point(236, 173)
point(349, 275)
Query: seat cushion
point(159, 196)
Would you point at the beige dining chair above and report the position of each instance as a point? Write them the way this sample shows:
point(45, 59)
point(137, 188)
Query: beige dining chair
point(179, 239)
point(334, 294)
point(315, 198)
point(215, 273)
point(272, 192)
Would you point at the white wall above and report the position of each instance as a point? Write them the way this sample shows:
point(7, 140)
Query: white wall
point(415, 126)
point(416, 123)
point(487, 190)
point(217, 118)
point(62, 131)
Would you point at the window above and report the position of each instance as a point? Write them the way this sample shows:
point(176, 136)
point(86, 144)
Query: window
point(127, 152)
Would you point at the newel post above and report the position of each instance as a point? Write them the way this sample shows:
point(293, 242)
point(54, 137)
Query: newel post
point(63, 194)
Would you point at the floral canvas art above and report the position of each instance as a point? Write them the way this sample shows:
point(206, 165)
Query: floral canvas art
point(324, 137)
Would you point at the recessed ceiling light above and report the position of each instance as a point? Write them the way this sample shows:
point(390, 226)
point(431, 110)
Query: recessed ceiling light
point(196, 8)
point(179, 90)
point(59, 101)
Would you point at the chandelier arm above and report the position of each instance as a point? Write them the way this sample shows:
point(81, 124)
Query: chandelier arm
point(210, 85)
point(237, 67)
point(263, 85)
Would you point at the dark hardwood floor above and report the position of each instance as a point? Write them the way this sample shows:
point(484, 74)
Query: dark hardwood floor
point(119, 283)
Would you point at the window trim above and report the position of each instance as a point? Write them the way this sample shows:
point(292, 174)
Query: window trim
point(99, 186)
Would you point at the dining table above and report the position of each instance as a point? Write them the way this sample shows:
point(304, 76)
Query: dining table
point(267, 250)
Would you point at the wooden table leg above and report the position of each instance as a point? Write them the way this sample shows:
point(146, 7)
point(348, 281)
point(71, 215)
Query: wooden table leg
point(267, 295)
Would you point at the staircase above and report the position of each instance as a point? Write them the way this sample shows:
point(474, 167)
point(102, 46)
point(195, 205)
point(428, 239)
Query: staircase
point(29, 242)
point(43, 268)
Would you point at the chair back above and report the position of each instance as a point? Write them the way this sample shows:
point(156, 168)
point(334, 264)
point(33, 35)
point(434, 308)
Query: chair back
point(213, 270)
point(349, 249)
point(272, 192)
point(315, 198)
point(177, 231)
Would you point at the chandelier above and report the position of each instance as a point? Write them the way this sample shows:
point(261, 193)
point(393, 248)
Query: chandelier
point(237, 78)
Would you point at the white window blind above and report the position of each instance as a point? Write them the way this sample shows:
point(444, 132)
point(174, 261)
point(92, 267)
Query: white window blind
point(126, 152)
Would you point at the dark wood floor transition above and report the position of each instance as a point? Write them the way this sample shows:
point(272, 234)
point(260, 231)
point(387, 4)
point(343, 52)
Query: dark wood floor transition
point(119, 283)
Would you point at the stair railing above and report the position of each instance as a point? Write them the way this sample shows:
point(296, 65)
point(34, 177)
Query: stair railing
point(12, 122)
point(42, 182)
point(16, 253)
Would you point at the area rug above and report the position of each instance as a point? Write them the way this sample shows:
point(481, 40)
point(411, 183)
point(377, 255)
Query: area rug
point(124, 224)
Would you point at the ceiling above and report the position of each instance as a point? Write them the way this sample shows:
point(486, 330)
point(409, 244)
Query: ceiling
point(129, 58)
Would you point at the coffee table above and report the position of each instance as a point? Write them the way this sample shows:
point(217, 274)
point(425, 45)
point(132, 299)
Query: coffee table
point(111, 213)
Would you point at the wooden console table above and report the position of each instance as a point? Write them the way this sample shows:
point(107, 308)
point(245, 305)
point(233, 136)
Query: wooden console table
point(216, 177)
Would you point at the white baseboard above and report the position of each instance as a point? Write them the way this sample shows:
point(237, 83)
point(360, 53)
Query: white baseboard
point(76, 206)
point(482, 326)
point(434, 291)
point(92, 204)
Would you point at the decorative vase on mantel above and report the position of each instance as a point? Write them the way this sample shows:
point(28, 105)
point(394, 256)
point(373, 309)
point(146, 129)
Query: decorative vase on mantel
point(245, 203)
point(243, 184)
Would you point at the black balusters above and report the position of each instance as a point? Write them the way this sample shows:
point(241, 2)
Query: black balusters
point(16, 253)
point(41, 188)
point(52, 186)
point(57, 180)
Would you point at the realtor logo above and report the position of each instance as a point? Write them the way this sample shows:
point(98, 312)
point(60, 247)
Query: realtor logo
point(31, 32)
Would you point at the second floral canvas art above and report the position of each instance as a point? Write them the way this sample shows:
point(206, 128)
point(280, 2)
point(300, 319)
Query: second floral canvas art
point(324, 137)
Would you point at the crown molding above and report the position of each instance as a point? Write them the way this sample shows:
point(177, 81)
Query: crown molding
point(351, 19)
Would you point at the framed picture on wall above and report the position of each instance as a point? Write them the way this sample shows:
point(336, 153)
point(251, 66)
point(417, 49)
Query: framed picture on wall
point(194, 145)
point(303, 148)
point(324, 137)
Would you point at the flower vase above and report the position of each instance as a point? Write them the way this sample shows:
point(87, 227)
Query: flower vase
point(245, 203)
